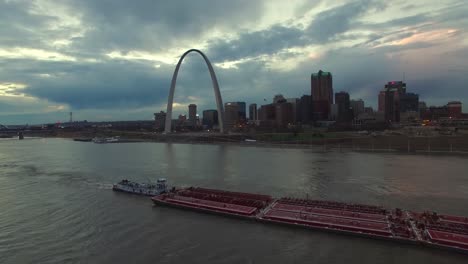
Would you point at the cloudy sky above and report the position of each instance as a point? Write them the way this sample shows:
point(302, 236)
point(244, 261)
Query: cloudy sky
point(113, 59)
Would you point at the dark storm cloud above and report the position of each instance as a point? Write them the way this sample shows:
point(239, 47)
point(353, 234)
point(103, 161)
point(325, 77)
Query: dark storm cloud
point(256, 43)
point(156, 25)
point(332, 22)
point(110, 85)
point(17, 24)
point(324, 28)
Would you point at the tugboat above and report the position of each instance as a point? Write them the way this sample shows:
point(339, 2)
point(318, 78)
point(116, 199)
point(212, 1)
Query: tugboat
point(115, 139)
point(147, 189)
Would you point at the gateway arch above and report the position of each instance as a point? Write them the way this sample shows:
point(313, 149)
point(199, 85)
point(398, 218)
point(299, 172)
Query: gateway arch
point(170, 99)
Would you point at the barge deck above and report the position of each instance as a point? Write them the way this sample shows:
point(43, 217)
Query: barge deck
point(426, 228)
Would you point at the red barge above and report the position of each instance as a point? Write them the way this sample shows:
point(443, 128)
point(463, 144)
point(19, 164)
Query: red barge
point(427, 228)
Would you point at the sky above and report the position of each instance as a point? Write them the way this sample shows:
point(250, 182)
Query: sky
point(114, 59)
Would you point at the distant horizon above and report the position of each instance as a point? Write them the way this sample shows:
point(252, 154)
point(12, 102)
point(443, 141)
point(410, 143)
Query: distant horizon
point(81, 56)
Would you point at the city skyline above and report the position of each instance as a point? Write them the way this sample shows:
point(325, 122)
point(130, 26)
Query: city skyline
point(81, 57)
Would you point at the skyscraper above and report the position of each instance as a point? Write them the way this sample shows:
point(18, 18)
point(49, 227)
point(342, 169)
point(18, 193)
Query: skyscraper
point(305, 109)
point(159, 120)
point(455, 109)
point(231, 114)
point(284, 114)
point(358, 107)
point(409, 102)
point(210, 118)
point(381, 107)
point(390, 111)
point(242, 110)
point(343, 104)
point(390, 100)
point(192, 113)
point(253, 115)
point(322, 94)
point(295, 103)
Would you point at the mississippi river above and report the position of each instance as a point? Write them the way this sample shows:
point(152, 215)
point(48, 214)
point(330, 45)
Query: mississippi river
point(57, 206)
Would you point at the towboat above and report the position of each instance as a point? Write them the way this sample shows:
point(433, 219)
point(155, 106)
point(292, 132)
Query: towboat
point(148, 189)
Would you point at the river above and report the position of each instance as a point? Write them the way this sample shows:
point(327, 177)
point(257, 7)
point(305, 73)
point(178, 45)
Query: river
point(57, 206)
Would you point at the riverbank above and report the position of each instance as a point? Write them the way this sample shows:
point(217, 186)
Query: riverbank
point(457, 145)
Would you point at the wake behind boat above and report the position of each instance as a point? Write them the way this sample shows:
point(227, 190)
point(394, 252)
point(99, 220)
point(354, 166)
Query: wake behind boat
point(148, 189)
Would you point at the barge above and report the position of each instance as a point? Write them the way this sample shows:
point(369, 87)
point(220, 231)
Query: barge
point(426, 228)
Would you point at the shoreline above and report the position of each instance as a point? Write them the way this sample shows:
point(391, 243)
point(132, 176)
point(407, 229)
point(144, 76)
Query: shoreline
point(317, 147)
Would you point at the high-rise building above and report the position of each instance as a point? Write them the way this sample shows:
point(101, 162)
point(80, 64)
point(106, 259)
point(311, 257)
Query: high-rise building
point(283, 114)
point(390, 111)
point(210, 118)
point(333, 112)
point(192, 109)
point(368, 110)
point(381, 107)
point(455, 109)
point(344, 107)
point(422, 109)
point(231, 114)
point(322, 94)
point(253, 115)
point(390, 100)
point(159, 120)
point(438, 112)
point(304, 110)
point(398, 86)
point(279, 98)
point(295, 109)
point(357, 106)
point(409, 102)
point(242, 111)
point(267, 113)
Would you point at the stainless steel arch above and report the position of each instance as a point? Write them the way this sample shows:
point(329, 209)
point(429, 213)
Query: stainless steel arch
point(170, 99)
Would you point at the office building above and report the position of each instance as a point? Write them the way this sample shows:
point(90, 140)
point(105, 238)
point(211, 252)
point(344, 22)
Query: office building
point(192, 109)
point(294, 102)
point(455, 109)
point(344, 108)
point(357, 106)
point(210, 118)
point(231, 114)
point(253, 114)
point(322, 94)
point(159, 120)
point(409, 102)
point(242, 111)
point(304, 110)
point(284, 114)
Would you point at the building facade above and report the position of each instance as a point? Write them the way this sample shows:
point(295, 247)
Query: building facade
point(231, 114)
point(284, 115)
point(253, 113)
point(357, 106)
point(159, 120)
point(192, 110)
point(242, 111)
point(295, 103)
point(210, 118)
point(321, 86)
point(343, 107)
point(455, 109)
point(409, 102)
point(304, 110)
